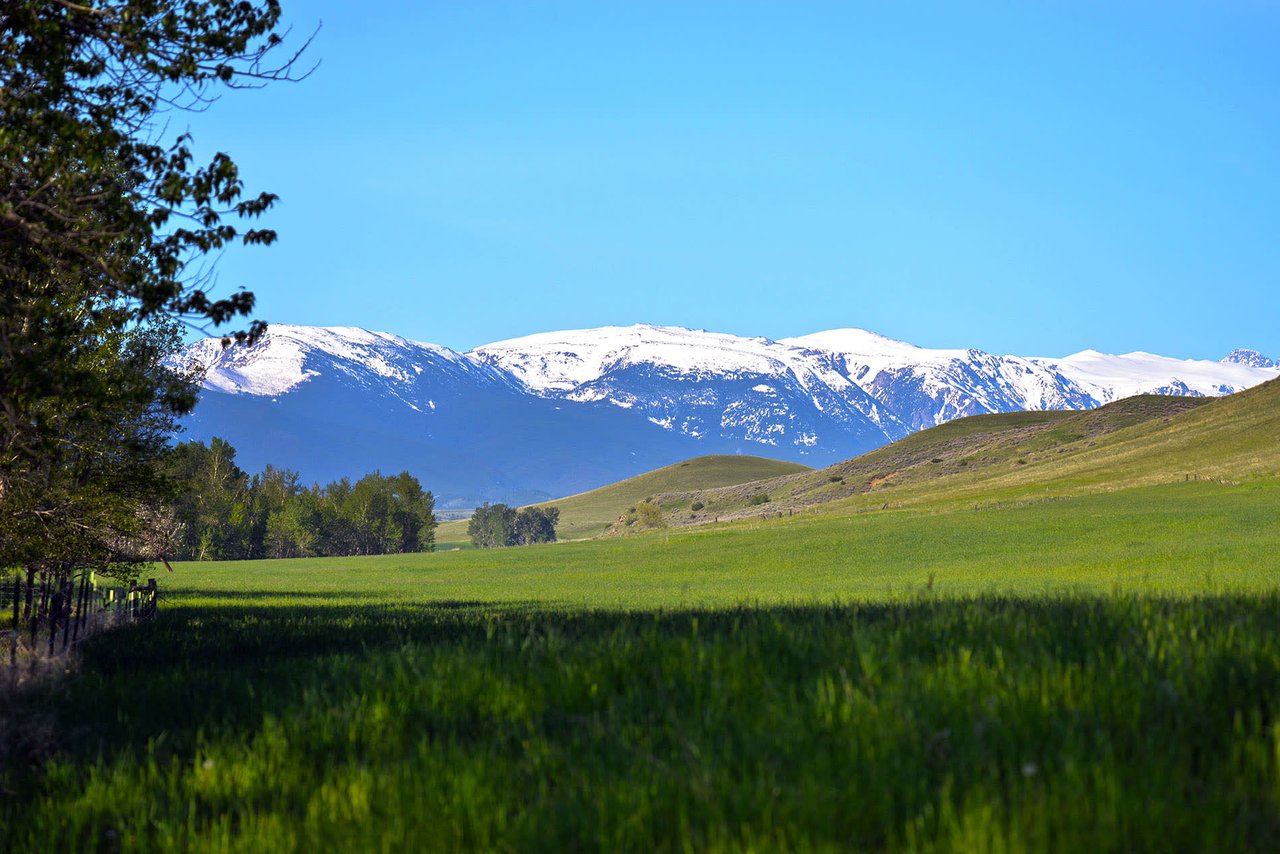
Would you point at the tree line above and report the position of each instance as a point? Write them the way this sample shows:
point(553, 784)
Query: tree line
point(108, 226)
point(223, 513)
point(496, 525)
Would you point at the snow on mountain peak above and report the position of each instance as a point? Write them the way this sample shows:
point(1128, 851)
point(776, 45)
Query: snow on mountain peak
point(687, 376)
point(562, 361)
point(1107, 377)
point(284, 357)
point(852, 341)
point(1251, 358)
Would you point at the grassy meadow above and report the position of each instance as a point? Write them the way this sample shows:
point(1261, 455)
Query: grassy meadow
point(1177, 539)
point(1068, 643)
point(590, 513)
point(1091, 673)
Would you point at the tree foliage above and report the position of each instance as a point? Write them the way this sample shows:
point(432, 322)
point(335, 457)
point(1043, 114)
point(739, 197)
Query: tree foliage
point(105, 224)
point(99, 495)
point(84, 89)
point(222, 513)
point(493, 526)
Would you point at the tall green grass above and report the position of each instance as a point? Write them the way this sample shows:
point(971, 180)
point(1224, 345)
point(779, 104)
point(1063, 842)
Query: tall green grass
point(1119, 723)
point(1091, 673)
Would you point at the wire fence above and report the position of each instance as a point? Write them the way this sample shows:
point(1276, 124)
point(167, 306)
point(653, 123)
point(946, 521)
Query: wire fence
point(45, 614)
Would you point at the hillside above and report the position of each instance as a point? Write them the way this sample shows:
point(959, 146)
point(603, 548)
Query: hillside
point(601, 405)
point(590, 513)
point(1134, 442)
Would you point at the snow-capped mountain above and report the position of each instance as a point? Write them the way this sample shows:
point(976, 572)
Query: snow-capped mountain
point(1109, 378)
point(701, 384)
point(291, 355)
point(924, 388)
point(1251, 358)
point(558, 412)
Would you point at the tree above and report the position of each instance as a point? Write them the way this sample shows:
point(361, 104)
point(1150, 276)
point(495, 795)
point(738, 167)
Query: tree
point(499, 525)
point(536, 525)
point(86, 86)
point(492, 526)
point(223, 514)
point(105, 487)
point(389, 514)
point(103, 228)
point(413, 515)
point(292, 530)
point(269, 494)
point(213, 510)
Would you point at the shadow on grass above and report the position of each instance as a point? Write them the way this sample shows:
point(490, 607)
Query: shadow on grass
point(945, 689)
point(203, 598)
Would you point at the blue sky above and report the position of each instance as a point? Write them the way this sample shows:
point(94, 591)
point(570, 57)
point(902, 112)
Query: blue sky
point(1031, 178)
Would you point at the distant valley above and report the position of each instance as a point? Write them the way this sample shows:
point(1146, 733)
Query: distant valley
point(558, 413)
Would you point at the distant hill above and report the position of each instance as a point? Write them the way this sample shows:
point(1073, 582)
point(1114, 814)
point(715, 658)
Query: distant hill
point(558, 413)
point(590, 513)
point(1137, 441)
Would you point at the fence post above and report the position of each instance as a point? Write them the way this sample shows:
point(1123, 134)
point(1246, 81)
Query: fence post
point(78, 618)
point(35, 616)
point(93, 600)
point(149, 606)
point(68, 599)
point(31, 584)
point(131, 607)
point(17, 588)
point(55, 611)
point(46, 590)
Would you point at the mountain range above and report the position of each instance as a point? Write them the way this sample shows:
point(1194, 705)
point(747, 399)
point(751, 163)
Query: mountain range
point(556, 413)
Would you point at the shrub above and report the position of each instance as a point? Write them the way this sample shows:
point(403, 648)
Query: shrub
point(835, 478)
point(696, 506)
point(650, 515)
point(761, 498)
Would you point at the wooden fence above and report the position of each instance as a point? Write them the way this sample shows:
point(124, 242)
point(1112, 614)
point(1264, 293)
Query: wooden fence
point(52, 613)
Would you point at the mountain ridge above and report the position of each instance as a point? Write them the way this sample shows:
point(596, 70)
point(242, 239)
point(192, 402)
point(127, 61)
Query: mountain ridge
point(528, 418)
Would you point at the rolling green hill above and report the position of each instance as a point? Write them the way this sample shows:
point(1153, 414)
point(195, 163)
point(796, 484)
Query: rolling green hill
point(1138, 441)
point(1052, 640)
point(590, 513)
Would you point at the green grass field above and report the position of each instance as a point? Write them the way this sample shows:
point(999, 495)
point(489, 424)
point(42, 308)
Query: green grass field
point(1091, 673)
point(590, 513)
point(1179, 539)
point(1087, 658)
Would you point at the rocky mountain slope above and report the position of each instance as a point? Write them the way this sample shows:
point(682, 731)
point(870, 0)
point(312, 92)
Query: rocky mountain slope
point(560, 412)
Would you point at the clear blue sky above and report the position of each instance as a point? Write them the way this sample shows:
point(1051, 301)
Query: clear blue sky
point(1030, 178)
